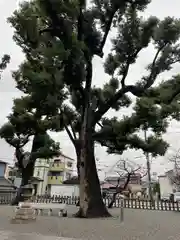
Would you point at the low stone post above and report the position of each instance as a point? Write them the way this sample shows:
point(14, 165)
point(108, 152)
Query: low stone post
point(121, 209)
point(25, 213)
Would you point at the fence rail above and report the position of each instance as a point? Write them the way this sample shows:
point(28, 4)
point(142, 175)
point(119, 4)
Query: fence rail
point(6, 197)
point(127, 203)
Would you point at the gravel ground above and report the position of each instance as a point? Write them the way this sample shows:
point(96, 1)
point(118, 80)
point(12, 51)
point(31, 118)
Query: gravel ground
point(137, 225)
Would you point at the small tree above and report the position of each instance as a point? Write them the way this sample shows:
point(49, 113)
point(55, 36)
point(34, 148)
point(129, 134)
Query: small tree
point(25, 124)
point(125, 169)
point(174, 175)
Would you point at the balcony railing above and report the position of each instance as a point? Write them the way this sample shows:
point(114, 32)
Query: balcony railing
point(55, 180)
point(57, 167)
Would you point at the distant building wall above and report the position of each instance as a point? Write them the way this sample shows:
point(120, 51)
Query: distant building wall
point(166, 187)
point(65, 190)
point(41, 170)
point(134, 179)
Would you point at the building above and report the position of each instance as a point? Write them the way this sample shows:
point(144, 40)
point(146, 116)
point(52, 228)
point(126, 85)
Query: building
point(145, 187)
point(41, 170)
point(134, 179)
point(70, 187)
point(6, 186)
point(14, 176)
point(11, 173)
point(133, 187)
point(48, 175)
point(169, 182)
point(60, 170)
point(3, 168)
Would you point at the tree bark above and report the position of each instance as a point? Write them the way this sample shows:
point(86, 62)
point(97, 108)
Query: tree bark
point(78, 155)
point(91, 202)
point(27, 173)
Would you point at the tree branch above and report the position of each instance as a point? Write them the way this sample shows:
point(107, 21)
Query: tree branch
point(80, 23)
point(127, 181)
point(25, 141)
point(135, 90)
point(67, 129)
point(69, 134)
point(47, 30)
point(58, 27)
point(173, 96)
point(73, 132)
point(107, 105)
point(19, 156)
point(151, 78)
point(100, 125)
point(145, 174)
point(119, 189)
point(108, 23)
point(87, 89)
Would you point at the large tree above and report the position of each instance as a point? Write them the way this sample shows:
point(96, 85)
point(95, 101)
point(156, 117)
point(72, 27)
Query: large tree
point(70, 34)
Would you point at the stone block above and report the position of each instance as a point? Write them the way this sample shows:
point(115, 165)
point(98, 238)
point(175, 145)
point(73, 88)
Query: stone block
point(24, 214)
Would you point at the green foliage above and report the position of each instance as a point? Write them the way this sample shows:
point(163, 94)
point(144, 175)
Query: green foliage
point(43, 145)
point(151, 113)
point(4, 61)
point(28, 120)
point(60, 38)
point(46, 147)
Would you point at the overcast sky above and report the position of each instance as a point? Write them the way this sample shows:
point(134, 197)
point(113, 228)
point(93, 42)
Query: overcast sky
point(8, 90)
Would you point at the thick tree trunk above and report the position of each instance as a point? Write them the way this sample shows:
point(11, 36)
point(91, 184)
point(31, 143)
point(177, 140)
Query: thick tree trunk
point(91, 202)
point(27, 173)
point(78, 155)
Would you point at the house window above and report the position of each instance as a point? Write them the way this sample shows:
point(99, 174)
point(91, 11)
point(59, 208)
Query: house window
point(38, 173)
point(69, 164)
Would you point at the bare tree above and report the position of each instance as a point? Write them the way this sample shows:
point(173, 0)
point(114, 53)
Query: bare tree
point(125, 169)
point(174, 174)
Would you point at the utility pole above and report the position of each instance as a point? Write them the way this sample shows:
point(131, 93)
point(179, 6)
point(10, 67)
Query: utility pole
point(148, 170)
